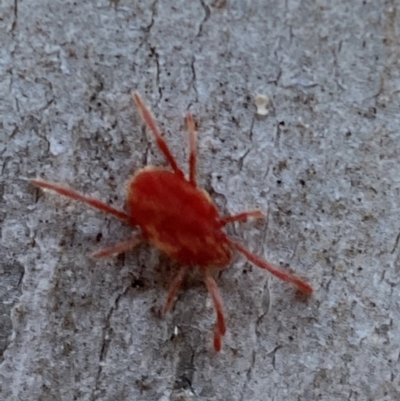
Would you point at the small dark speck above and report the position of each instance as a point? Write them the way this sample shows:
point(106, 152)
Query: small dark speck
point(279, 182)
point(281, 122)
point(138, 283)
point(290, 338)
point(302, 182)
point(359, 269)
point(348, 134)
point(99, 236)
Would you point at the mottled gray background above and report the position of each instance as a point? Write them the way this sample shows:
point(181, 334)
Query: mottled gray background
point(324, 165)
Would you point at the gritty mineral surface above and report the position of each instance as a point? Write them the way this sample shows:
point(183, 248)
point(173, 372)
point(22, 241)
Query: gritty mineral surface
point(323, 164)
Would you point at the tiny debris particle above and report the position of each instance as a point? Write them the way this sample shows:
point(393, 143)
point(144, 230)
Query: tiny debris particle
point(302, 124)
point(261, 102)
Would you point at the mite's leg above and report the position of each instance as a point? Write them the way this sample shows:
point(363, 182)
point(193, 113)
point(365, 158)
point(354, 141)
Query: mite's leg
point(175, 286)
point(302, 285)
point(121, 247)
point(255, 214)
point(152, 125)
point(192, 148)
point(86, 199)
point(220, 328)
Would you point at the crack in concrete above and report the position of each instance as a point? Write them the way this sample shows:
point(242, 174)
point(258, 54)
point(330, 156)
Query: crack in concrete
point(153, 14)
point(193, 83)
point(248, 375)
point(106, 340)
point(258, 336)
point(153, 50)
point(273, 352)
point(331, 277)
point(241, 160)
point(185, 369)
point(21, 278)
point(207, 14)
point(277, 140)
point(251, 128)
point(158, 71)
point(14, 23)
point(396, 243)
point(10, 71)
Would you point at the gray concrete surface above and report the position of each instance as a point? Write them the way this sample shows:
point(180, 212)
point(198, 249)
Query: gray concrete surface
point(324, 165)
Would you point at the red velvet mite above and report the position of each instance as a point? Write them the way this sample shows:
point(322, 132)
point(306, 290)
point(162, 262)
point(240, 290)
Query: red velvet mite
point(178, 218)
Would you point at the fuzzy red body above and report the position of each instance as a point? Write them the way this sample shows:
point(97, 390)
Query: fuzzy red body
point(178, 218)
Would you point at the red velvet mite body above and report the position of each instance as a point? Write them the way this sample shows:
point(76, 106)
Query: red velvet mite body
point(180, 219)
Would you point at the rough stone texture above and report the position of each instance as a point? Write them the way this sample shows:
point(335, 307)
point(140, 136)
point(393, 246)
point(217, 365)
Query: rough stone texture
point(324, 164)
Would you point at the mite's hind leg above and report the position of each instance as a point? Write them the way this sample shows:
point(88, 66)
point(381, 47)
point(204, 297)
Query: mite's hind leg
point(121, 247)
point(302, 285)
point(152, 125)
point(192, 148)
point(83, 198)
point(220, 328)
point(175, 286)
point(242, 217)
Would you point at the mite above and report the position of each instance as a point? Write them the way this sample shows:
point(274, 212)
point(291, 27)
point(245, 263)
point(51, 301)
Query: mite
point(179, 219)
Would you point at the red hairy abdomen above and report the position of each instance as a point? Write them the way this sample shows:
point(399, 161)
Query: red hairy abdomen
point(177, 218)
